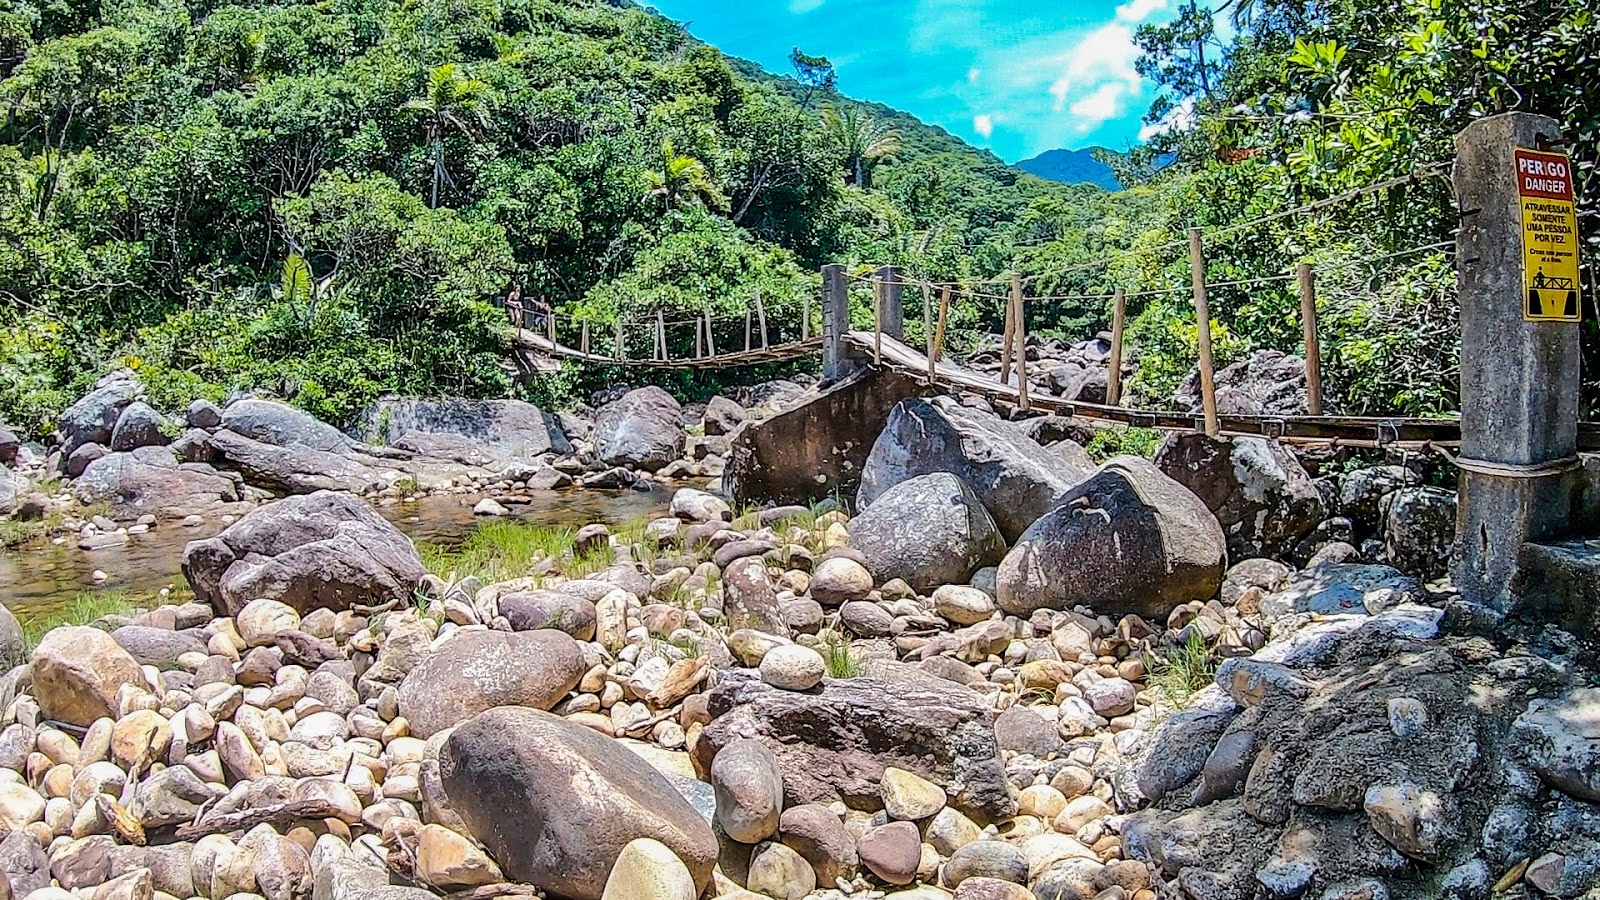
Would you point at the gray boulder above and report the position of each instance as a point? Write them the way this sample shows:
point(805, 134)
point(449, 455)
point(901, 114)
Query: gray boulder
point(642, 430)
point(560, 610)
point(1561, 740)
point(203, 414)
point(138, 426)
point(93, 417)
point(322, 550)
point(1267, 382)
point(505, 429)
point(1419, 530)
point(555, 803)
point(294, 469)
point(1361, 494)
point(13, 645)
point(722, 416)
point(267, 422)
point(477, 670)
point(1258, 491)
point(1017, 480)
point(931, 530)
point(833, 743)
point(151, 480)
point(1127, 540)
point(1334, 588)
point(13, 487)
point(10, 445)
point(77, 462)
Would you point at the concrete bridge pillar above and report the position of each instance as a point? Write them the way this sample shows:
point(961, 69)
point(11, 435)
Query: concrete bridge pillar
point(894, 314)
point(835, 323)
point(1519, 368)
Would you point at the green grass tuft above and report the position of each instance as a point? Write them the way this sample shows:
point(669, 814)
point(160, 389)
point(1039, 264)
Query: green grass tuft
point(1110, 442)
point(1181, 671)
point(86, 608)
point(839, 658)
point(501, 550)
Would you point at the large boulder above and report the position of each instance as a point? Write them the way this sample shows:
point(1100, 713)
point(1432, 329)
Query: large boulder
point(139, 425)
point(1561, 740)
point(477, 670)
point(267, 422)
point(835, 742)
point(13, 487)
point(722, 416)
point(10, 446)
point(150, 480)
point(77, 672)
point(505, 429)
point(1419, 530)
point(815, 449)
point(1017, 480)
point(294, 468)
point(93, 417)
point(555, 802)
point(1256, 488)
point(1265, 383)
point(1127, 540)
point(642, 430)
point(321, 550)
point(929, 531)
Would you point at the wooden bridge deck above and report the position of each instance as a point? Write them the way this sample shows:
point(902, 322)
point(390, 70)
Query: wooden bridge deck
point(755, 356)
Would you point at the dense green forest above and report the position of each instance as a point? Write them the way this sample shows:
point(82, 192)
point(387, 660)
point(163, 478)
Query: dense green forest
point(329, 199)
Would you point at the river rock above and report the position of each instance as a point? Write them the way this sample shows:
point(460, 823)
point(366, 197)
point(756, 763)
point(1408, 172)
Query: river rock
point(749, 791)
point(151, 480)
point(1562, 741)
point(13, 643)
point(450, 862)
point(295, 468)
point(91, 419)
point(749, 601)
point(138, 426)
point(647, 869)
point(1129, 540)
point(963, 605)
point(722, 416)
point(510, 773)
point(642, 430)
point(280, 425)
point(999, 860)
point(840, 579)
point(159, 647)
point(475, 670)
point(1267, 382)
point(77, 672)
point(562, 611)
point(928, 531)
point(1017, 480)
point(778, 871)
point(13, 488)
point(834, 743)
point(1361, 494)
point(502, 430)
point(817, 834)
point(1419, 530)
point(10, 445)
point(693, 505)
point(1256, 488)
point(892, 852)
point(322, 550)
point(793, 667)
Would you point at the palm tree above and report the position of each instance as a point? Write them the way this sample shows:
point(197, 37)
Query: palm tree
point(452, 100)
point(680, 177)
point(864, 141)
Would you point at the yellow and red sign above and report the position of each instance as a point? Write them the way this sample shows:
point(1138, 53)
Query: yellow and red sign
point(1549, 237)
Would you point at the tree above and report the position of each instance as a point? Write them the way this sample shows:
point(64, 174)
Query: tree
point(814, 73)
point(682, 177)
point(862, 139)
point(452, 100)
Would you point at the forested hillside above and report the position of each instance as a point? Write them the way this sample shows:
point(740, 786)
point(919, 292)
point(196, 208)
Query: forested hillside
point(326, 200)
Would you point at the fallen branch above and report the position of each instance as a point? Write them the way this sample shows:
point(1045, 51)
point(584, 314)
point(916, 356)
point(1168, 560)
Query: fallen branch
point(246, 819)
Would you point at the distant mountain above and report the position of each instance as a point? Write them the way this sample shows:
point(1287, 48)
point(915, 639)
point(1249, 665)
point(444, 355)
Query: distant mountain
point(1072, 167)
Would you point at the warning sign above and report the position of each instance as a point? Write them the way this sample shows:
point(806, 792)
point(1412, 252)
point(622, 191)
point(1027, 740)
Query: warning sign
point(1549, 237)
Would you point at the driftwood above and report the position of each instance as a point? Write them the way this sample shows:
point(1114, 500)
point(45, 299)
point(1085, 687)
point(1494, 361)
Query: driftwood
point(246, 819)
point(122, 822)
point(492, 891)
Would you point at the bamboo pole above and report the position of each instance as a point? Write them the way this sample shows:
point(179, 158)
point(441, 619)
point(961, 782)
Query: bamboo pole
point(661, 335)
point(761, 318)
point(1202, 315)
point(699, 339)
point(805, 317)
point(711, 343)
point(1005, 347)
point(748, 315)
point(1021, 315)
point(938, 334)
point(927, 317)
point(583, 341)
point(550, 325)
point(1114, 375)
point(1308, 321)
point(620, 349)
point(877, 317)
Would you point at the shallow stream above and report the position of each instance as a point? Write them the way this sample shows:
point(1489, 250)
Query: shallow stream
point(41, 576)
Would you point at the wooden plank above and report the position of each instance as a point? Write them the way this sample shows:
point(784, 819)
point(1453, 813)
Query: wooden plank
point(1202, 315)
point(1114, 373)
point(1021, 313)
point(1308, 324)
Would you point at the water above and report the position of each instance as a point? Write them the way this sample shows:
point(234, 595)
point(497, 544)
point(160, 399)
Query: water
point(40, 577)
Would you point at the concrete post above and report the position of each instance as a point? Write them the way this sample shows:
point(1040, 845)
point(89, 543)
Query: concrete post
point(835, 323)
point(1519, 379)
point(894, 314)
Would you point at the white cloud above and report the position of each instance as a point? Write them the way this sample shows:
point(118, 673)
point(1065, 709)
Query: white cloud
point(1179, 118)
point(1138, 10)
point(801, 7)
point(983, 125)
point(1100, 106)
point(972, 75)
point(1102, 58)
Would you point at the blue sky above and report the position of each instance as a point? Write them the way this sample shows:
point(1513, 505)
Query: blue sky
point(1016, 76)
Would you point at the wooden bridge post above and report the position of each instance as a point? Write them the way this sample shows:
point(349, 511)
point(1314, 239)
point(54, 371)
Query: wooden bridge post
point(1020, 313)
point(1519, 375)
point(1308, 323)
point(1005, 344)
point(1114, 371)
point(894, 315)
point(835, 323)
point(1202, 317)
